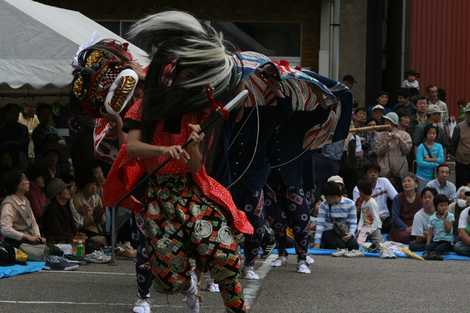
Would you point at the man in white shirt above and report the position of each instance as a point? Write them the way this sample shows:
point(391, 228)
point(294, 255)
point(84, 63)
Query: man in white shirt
point(441, 183)
point(382, 190)
point(433, 98)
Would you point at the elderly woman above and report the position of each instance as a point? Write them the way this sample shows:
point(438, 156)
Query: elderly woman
point(404, 207)
point(17, 222)
point(392, 148)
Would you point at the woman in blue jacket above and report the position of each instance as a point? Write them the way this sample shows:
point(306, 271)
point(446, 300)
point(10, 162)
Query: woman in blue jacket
point(429, 156)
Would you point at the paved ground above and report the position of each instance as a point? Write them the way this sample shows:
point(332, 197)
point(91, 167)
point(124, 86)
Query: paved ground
point(336, 285)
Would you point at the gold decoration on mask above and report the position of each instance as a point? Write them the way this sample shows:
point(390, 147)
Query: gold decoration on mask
point(78, 87)
point(127, 84)
point(95, 57)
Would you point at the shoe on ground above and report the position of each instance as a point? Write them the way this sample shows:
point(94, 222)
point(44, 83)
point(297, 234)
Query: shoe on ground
point(98, 257)
point(142, 306)
point(58, 263)
point(339, 252)
point(353, 253)
point(280, 261)
point(309, 260)
point(386, 253)
point(249, 273)
point(303, 268)
point(213, 287)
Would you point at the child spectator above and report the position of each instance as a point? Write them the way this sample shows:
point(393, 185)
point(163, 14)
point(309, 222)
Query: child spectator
point(429, 156)
point(337, 221)
point(411, 80)
point(421, 220)
point(369, 222)
point(440, 236)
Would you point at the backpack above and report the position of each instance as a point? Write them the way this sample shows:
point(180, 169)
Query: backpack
point(7, 254)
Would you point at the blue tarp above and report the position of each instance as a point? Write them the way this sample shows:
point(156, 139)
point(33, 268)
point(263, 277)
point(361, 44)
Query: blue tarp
point(14, 270)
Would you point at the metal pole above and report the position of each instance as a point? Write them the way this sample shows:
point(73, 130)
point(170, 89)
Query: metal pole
point(113, 236)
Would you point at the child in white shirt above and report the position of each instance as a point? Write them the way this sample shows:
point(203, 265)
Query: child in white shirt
point(370, 224)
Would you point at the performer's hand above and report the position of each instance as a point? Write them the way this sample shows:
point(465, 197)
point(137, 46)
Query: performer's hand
point(196, 135)
point(177, 153)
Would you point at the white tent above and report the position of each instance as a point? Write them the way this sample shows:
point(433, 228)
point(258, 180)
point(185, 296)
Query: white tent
point(38, 43)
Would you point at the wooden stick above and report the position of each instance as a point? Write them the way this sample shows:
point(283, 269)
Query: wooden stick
point(369, 128)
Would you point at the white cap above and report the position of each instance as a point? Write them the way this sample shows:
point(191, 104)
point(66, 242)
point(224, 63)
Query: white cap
point(336, 179)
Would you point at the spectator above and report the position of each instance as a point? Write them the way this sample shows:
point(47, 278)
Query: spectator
point(462, 246)
point(442, 184)
point(339, 181)
point(360, 117)
point(336, 222)
point(392, 149)
point(462, 201)
point(352, 162)
point(404, 106)
point(461, 146)
point(36, 194)
point(14, 136)
point(29, 119)
point(411, 80)
point(404, 207)
point(421, 220)
point(434, 118)
point(45, 133)
point(349, 80)
point(377, 114)
point(433, 99)
point(17, 222)
point(58, 223)
point(440, 235)
point(383, 99)
point(405, 124)
point(88, 203)
point(429, 156)
point(421, 117)
point(369, 227)
point(382, 190)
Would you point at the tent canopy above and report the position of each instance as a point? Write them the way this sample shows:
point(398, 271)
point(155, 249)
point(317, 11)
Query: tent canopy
point(38, 43)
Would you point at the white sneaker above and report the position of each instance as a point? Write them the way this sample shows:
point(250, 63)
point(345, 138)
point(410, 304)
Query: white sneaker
point(213, 287)
point(302, 268)
point(280, 261)
point(309, 260)
point(353, 254)
point(339, 252)
point(142, 306)
point(249, 273)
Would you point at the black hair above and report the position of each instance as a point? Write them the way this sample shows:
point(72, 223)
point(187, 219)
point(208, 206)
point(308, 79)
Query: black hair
point(440, 198)
point(360, 109)
point(332, 189)
point(441, 165)
point(383, 93)
point(428, 128)
point(372, 166)
point(430, 189)
point(404, 92)
point(365, 187)
point(11, 180)
point(349, 78)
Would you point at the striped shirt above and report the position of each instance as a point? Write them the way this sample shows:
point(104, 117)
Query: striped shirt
point(344, 212)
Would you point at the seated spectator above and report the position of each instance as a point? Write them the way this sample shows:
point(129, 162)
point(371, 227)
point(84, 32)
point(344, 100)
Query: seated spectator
point(87, 202)
point(36, 195)
point(339, 181)
point(456, 207)
point(434, 119)
point(442, 184)
point(462, 246)
point(392, 149)
point(17, 222)
point(429, 156)
point(404, 106)
point(421, 220)
point(58, 223)
point(336, 222)
point(382, 190)
point(405, 205)
point(440, 235)
point(369, 227)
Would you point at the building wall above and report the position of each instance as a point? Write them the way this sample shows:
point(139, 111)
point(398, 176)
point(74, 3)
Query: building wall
point(353, 45)
point(307, 13)
point(439, 46)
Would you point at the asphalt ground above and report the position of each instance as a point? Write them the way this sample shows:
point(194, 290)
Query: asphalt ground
point(337, 285)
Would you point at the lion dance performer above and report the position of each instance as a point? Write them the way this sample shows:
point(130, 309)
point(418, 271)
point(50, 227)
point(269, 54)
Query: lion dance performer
point(107, 83)
point(187, 214)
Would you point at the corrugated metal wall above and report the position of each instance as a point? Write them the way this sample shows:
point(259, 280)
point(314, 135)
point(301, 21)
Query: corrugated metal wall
point(439, 46)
